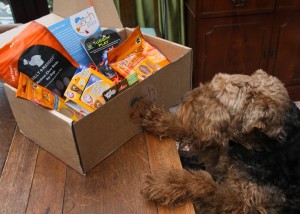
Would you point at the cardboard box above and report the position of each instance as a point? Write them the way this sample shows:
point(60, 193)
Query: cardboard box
point(83, 144)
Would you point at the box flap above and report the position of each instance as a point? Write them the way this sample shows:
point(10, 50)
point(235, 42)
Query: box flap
point(105, 9)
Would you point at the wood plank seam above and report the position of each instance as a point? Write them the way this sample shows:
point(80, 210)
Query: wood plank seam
point(12, 138)
point(32, 179)
point(17, 175)
point(149, 162)
point(148, 157)
point(65, 184)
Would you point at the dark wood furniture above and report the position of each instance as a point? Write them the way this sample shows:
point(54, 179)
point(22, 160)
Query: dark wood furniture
point(240, 36)
point(34, 181)
point(28, 10)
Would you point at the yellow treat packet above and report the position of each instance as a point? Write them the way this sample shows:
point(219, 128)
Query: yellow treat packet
point(86, 89)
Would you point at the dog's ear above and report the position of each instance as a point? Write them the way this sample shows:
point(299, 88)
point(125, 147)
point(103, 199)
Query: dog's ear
point(267, 109)
point(265, 115)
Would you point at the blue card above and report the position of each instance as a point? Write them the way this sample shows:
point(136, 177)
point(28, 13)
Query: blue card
point(71, 30)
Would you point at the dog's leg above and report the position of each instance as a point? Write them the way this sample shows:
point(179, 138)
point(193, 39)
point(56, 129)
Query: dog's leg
point(162, 123)
point(177, 186)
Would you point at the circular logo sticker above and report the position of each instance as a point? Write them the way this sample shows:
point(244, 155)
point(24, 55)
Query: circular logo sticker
point(88, 99)
point(85, 23)
point(70, 94)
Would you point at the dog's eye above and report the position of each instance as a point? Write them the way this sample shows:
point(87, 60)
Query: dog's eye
point(249, 98)
point(239, 85)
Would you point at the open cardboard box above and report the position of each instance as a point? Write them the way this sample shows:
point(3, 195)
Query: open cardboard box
point(83, 144)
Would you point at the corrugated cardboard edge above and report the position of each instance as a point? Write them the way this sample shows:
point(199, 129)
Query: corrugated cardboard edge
point(105, 9)
point(102, 132)
point(58, 138)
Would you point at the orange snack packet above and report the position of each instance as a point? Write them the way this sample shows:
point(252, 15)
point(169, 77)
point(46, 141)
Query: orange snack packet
point(29, 90)
point(136, 55)
point(38, 54)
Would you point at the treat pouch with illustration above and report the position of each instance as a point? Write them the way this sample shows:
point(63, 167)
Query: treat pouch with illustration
point(136, 55)
point(38, 54)
point(86, 90)
point(29, 90)
point(97, 47)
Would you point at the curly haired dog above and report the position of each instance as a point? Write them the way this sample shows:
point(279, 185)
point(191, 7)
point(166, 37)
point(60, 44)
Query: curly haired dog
point(246, 132)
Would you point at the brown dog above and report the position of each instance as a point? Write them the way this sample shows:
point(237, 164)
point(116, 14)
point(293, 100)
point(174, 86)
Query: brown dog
point(244, 130)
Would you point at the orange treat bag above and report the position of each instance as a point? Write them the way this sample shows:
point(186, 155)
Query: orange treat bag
point(38, 54)
point(29, 90)
point(136, 55)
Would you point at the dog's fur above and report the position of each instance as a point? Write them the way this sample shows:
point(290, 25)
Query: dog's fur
point(246, 131)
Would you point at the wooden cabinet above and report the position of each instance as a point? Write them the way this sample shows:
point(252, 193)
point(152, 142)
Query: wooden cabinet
point(240, 36)
point(285, 60)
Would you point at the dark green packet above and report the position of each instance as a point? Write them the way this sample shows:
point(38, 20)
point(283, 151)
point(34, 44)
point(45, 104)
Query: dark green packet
point(97, 46)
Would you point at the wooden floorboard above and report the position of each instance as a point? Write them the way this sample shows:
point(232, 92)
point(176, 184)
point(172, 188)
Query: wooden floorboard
point(48, 186)
point(7, 127)
point(34, 181)
point(161, 156)
point(17, 175)
point(115, 181)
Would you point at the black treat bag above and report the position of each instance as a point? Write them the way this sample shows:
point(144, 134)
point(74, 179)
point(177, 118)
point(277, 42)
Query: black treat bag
point(47, 67)
point(97, 47)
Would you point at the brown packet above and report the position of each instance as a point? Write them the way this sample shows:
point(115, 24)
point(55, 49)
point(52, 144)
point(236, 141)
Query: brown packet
point(136, 55)
point(29, 90)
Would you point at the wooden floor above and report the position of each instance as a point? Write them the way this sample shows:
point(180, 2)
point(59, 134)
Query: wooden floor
point(34, 181)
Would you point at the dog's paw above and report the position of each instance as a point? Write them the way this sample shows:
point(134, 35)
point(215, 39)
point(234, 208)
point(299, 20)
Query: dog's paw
point(166, 187)
point(156, 120)
point(151, 115)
